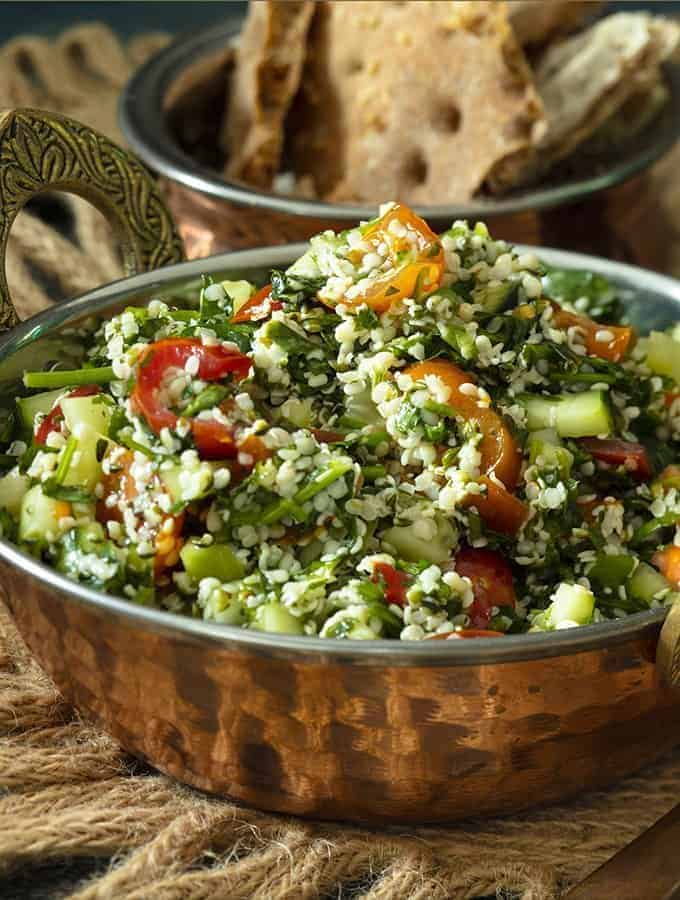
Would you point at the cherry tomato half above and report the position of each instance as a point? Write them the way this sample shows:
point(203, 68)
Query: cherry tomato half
point(492, 583)
point(498, 449)
point(394, 580)
point(415, 255)
point(259, 306)
point(500, 509)
point(614, 348)
point(52, 421)
point(465, 633)
point(667, 562)
point(629, 454)
point(214, 440)
point(168, 539)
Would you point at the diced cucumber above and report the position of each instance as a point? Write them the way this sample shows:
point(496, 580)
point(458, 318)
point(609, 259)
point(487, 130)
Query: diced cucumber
point(275, 617)
point(29, 407)
point(646, 582)
point(611, 570)
point(94, 411)
point(458, 337)
point(571, 415)
point(299, 411)
point(546, 451)
point(360, 409)
point(663, 354)
point(493, 295)
point(13, 487)
point(224, 608)
point(571, 603)
point(84, 469)
point(185, 485)
point(40, 515)
point(214, 561)
point(239, 291)
point(411, 547)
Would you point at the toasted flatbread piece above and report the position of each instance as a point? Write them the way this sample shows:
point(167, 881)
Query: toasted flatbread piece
point(587, 78)
point(418, 101)
point(538, 21)
point(269, 63)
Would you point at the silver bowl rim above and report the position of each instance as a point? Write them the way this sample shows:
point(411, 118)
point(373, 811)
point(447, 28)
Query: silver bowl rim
point(143, 123)
point(512, 648)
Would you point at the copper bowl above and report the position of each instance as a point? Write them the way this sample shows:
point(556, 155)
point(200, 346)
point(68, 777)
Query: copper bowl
point(374, 731)
point(171, 110)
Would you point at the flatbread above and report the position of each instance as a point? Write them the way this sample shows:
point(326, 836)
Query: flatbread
point(269, 64)
point(423, 101)
point(538, 21)
point(587, 78)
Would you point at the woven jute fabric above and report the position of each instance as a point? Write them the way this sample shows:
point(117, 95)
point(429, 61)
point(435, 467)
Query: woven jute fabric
point(69, 791)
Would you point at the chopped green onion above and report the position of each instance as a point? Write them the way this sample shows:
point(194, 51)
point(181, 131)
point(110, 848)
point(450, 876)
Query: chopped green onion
point(67, 378)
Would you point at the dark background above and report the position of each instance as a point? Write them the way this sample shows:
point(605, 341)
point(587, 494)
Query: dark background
point(132, 17)
point(55, 879)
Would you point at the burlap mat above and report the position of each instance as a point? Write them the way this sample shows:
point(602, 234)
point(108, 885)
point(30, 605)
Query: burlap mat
point(70, 792)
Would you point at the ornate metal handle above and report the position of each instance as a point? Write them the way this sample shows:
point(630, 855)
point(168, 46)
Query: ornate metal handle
point(42, 151)
point(668, 650)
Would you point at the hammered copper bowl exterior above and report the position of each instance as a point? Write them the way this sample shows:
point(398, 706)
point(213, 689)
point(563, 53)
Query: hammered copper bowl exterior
point(338, 739)
point(376, 731)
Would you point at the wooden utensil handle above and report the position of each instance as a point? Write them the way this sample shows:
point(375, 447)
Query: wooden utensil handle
point(668, 649)
point(41, 151)
point(647, 869)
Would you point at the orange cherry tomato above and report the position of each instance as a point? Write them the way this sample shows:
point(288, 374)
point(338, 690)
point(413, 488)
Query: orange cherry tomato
point(614, 349)
point(501, 457)
point(500, 509)
point(492, 583)
point(465, 633)
point(667, 562)
point(669, 478)
point(168, 539)
point(498, 449)
point(259, 306)
point(414, 252)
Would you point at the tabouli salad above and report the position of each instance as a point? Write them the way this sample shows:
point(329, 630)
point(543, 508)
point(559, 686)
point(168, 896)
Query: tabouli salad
point(403, 435)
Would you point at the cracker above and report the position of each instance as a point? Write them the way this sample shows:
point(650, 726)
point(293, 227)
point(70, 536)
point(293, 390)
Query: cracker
point(269, 63)
point(423, 102)
point(587, 78)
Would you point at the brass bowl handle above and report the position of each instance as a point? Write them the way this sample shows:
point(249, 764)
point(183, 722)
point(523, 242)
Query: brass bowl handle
point(42, 151)
point(668, 649)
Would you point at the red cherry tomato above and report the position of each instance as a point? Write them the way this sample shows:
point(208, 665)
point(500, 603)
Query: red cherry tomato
point(53, 419)
point(631, 455)
point(491, 579)
point(614, 349)
point(259, 306)
point(327, 437)
point(214, 440)
point(395, 582)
